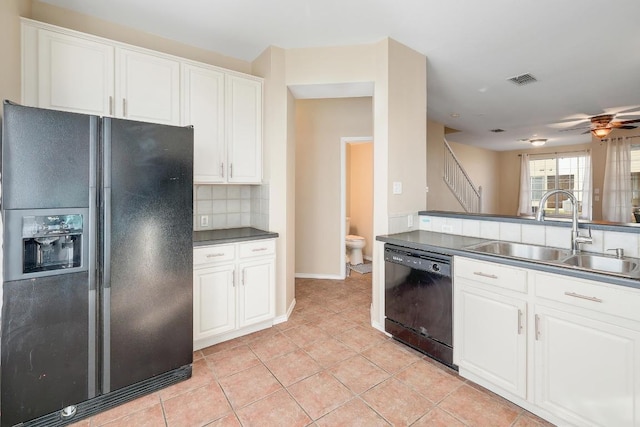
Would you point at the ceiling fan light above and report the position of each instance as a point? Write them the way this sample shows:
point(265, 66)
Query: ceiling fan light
point(538, 142)
point(601, 132)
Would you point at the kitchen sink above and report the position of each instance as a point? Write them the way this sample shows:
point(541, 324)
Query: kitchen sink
point(602, 263)
point(520, 250)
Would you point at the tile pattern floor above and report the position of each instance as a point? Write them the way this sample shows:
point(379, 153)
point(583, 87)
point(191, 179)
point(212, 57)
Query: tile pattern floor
point(326, 366)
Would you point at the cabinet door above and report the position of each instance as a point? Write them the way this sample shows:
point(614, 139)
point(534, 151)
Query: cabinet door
point(586, 371)
point(243, 99)
point(148, 87)
point(203, 106)
point(214, 300)
point(257, 300)
point(490, 336)
point(74, 74)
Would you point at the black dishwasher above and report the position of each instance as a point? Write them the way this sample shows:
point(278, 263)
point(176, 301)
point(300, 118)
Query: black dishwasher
point(418, 300)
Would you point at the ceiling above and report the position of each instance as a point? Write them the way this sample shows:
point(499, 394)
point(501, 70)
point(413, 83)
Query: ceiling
point(585, 54)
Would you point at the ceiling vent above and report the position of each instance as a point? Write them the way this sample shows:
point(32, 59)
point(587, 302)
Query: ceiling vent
point(523, 79)
point(497, 130)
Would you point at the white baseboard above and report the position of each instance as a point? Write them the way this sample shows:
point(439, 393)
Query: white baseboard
point(284, 318)
point(216, 339)
point(318, 276)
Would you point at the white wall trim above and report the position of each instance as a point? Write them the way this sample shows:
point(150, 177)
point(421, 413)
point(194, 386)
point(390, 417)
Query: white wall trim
point(319, 276)
point(343, 194)
point(285, 317)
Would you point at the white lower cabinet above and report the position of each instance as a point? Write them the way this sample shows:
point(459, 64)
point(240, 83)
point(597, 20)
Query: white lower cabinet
point(233, 290)
point(587, 372)
point(494, 344)
point(490, 336)
point(567, 349)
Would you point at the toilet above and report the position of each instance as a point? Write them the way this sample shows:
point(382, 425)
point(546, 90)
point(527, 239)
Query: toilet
point(354, 246)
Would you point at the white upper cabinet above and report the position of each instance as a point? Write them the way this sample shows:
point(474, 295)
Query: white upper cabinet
point(203, 107)
point(74, 74)
point(244, 129)
point(148, 87)
point(71, 71)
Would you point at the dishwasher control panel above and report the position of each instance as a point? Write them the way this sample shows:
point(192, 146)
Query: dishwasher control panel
point(419, 260)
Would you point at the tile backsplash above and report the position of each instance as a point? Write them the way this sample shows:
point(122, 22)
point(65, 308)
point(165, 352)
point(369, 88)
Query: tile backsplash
point(230, 206)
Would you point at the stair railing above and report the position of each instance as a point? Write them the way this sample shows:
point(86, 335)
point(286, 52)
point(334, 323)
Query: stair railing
point(456, 178)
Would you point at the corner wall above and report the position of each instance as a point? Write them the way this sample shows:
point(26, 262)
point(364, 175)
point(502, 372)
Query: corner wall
point(10, 80)
point(320, 125)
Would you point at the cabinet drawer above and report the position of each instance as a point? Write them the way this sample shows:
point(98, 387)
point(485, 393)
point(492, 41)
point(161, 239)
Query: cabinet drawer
point(257, 248)
point(604, 298)
point(213, 254)
point(489, 273)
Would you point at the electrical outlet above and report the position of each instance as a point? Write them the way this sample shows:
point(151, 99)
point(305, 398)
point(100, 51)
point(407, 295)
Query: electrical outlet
point(397, 187)
point(204, 220)
point(409, 220)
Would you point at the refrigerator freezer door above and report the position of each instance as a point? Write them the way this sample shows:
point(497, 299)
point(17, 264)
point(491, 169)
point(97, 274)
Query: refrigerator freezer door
point(45, 345)
point(48, 158)
point(148, 253)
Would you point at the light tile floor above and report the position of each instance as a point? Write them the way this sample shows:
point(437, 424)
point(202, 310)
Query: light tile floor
point(326, 366)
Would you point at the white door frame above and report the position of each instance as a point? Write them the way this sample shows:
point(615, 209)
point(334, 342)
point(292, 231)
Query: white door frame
point(343, 194)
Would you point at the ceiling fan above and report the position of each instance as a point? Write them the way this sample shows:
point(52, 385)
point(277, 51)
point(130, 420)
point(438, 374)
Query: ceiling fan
point(602, 124)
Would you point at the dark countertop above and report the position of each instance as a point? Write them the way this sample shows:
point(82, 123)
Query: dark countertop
point(230, 235)
point(453, 244)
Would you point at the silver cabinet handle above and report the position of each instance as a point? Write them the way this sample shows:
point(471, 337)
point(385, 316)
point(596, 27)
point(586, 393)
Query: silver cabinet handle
point(519, 322)
point(537, 327)
point(215, 255)
point(222, 169)
point(124, 107)
point(111, 105)
point(233, 278)
point(258, 249)
point(480, 273)
point(230, 170)
point(588, 298)
point(243, 277)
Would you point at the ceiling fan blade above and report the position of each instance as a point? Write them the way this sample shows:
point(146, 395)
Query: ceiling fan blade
point(629, 114)
point(624, 122)
point(621, 111)
point(568, 124)
point(574, 129)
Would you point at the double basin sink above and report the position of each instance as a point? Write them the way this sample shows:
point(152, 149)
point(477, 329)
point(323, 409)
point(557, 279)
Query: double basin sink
point(620, 266)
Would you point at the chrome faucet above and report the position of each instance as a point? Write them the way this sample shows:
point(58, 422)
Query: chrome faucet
point(576, 238)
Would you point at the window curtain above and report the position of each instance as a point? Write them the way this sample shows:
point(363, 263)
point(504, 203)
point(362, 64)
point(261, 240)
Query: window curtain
point(587, 189)
point(524, 204)
point(616, 191)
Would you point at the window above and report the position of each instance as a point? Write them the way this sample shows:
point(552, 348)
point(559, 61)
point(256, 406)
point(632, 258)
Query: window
point(635, 176)
point(565, 171)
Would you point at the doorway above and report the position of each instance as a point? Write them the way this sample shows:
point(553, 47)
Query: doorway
point(357, 193)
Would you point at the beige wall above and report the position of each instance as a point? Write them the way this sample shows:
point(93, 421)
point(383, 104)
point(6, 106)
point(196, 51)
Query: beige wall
point(407, 128)
point(439, 197)
point(87, 24)
point(481, 165)
point(360, 192)
point(320, 125)
point(279, 168)
point(10, 13)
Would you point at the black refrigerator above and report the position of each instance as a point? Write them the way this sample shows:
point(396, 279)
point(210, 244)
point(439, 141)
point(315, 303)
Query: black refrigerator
point(97, 263)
